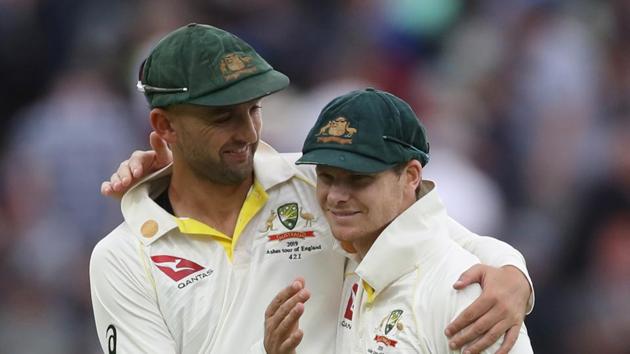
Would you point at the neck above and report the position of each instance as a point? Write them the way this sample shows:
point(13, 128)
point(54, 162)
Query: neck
point(363, 245)
point(216, 205)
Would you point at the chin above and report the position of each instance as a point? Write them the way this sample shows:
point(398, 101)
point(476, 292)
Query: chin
point(344, 234)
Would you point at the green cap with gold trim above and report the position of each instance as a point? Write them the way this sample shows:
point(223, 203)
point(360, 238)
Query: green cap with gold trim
point(366, 131)
point(205, 65)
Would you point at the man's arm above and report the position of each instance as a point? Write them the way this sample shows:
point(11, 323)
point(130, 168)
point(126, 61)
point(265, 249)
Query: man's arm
point(507, 291)
point(139, 164)
point(507, 294)
point(127, 316)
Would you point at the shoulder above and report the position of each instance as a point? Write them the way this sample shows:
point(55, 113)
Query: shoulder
point(307, 171)
point(272, 167)
point(444, 271)
point(437, 303)
point(119, 250)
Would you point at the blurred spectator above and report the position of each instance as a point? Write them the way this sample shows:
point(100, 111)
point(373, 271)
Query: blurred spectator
point(60, 150)
point(526, 102)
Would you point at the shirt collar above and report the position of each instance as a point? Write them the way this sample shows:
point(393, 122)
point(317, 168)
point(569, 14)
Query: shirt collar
point(407, 243)
point(271, 168)
point(143, 215)
point(150, 221)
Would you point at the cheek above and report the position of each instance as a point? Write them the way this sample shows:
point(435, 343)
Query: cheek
point(322, 193)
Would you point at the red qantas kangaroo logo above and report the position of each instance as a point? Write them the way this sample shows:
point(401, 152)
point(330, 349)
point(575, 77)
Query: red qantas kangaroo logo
point(350, 307)
point(176, 268)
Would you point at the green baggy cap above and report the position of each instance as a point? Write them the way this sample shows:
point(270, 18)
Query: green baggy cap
point(205, 65)
point(366, 131)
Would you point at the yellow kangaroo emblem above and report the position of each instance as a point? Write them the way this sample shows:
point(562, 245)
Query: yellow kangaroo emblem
point(269, 222)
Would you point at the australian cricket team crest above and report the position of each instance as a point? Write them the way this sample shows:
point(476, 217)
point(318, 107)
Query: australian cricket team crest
point(387, 325)
point(288, 215)
point(234, 65)
point(337, 130)
point(392, 321)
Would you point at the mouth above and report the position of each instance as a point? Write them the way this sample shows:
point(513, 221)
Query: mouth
point(342, 215)
point(237, 154)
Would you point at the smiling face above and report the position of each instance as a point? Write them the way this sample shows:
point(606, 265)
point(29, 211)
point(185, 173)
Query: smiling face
point(359, 206)
point(217, 143)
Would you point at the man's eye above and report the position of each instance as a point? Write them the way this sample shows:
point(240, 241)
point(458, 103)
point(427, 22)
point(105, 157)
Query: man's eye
point(221, 119)
point(325, 178)
point(362, 180)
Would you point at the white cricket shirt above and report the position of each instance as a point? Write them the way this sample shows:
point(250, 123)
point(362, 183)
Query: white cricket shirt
point(162, 284)
point(400, 297)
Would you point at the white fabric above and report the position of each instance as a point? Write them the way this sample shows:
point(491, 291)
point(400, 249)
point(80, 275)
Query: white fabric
point(412, 267)
point(219, 309)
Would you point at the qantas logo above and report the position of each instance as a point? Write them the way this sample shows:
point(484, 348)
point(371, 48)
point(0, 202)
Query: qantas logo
point(175, 267)
point(350, 307)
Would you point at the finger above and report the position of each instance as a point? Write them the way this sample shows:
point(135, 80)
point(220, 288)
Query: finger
point(163, 155)
point(289, 345)
point(510, 339)
point(115, 182)
point(285, 309)
point(290, 321)
point(280, 323)
point(141, 161)
point(470, 314)
point(472, 275)
point(136, 163)
point(282, 297)
point(480, 328)
point(106, 189)
point(488, 339)
point(124, 173)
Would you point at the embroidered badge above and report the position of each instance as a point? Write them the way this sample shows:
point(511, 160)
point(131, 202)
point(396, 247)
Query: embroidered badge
point(392, 321)
point(234, 65)
point(388, 342)
point(308, 217)
point(291, 241)
point(337, 130)
point(269, 222)
point(388, 323)
point(288, 215)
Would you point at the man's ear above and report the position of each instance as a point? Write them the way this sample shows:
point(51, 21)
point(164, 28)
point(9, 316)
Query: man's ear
point(413, 174)
point(162, 124)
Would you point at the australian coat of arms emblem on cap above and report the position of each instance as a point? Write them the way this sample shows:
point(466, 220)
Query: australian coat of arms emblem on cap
point(234, 65)
point(337, 130)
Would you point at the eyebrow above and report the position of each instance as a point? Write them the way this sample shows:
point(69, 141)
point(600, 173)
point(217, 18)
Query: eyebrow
point(221, 110)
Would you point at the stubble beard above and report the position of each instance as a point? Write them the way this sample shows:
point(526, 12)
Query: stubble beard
point(220, 172)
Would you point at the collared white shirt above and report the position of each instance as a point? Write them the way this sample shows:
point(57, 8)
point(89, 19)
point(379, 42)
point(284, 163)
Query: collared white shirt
point(162, 284)
point(400, 297)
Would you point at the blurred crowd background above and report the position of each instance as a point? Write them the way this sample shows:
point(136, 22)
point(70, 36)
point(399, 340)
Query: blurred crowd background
point(527, 103)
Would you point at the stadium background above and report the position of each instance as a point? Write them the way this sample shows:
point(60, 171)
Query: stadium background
point(527, 103)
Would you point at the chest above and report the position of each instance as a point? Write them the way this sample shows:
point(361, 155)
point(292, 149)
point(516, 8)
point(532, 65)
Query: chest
point(391, 323)
point(214, 303)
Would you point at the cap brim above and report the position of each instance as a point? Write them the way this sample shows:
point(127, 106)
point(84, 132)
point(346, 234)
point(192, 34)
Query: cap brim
point(343, 159)
point(245, 90)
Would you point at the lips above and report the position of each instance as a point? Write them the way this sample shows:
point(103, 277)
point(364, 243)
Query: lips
point(343, 215)
point(237, 153)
